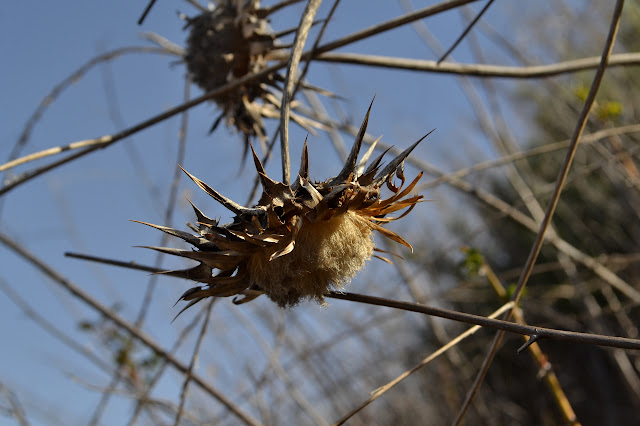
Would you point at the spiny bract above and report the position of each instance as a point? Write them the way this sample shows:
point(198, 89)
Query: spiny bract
point(300, 241)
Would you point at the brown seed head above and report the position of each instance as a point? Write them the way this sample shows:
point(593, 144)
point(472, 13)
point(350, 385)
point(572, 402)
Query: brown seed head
point(300, 241)
point(227, 43)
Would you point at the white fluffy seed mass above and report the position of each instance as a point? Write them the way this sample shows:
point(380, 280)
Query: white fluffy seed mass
point(327, 254)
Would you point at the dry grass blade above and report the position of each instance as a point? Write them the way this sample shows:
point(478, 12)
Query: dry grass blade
point(477, 70)
point(303, 74)
point(146, 301)
point(274, 366)
point(384, 388)
point(104, 141)
point(144, 396)
point(197, 5)
point(55, 150)
point(491, 171)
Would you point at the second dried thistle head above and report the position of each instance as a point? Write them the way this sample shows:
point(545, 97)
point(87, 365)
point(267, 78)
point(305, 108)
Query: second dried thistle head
point(230, 42)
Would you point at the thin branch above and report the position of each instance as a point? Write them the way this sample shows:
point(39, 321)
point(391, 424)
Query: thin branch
point(146, 11)
point(478, 70)
point(352, 38)
point(55, 150)
point(107, 140)
point(16, 409)
point(320, 111)
point(92, 145)
point(572, 336)
point(301, 353)
point(135, 332)
point(273, 365)
point(267, 11)
point(106, 396)
point(540, 357)
point(510, 211)
point(146, 301)
point(306, 21)
point(166, 406)
point(562, 176)
point(466, 31)
point(393, 23)
point(163, 42)
point(115, 115)
point(171, 202)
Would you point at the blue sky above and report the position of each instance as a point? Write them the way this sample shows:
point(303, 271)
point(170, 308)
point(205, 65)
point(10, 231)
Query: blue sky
point(86, 206)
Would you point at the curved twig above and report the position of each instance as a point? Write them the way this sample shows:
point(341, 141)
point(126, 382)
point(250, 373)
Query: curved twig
point(68, 81)
point(92, 145)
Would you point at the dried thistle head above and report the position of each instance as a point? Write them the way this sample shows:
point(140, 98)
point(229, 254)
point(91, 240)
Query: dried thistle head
point(230, 41)
point(300, 241)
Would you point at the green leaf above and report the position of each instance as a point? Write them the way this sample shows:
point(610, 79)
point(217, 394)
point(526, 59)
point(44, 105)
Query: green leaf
point(472, 262)
point(609, 110)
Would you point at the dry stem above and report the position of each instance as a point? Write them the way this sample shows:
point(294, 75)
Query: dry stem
point(562, 176)
point(572, 336)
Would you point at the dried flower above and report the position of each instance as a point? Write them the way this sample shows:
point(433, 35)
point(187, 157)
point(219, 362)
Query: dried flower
point(299, 241)
point(227, 43)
